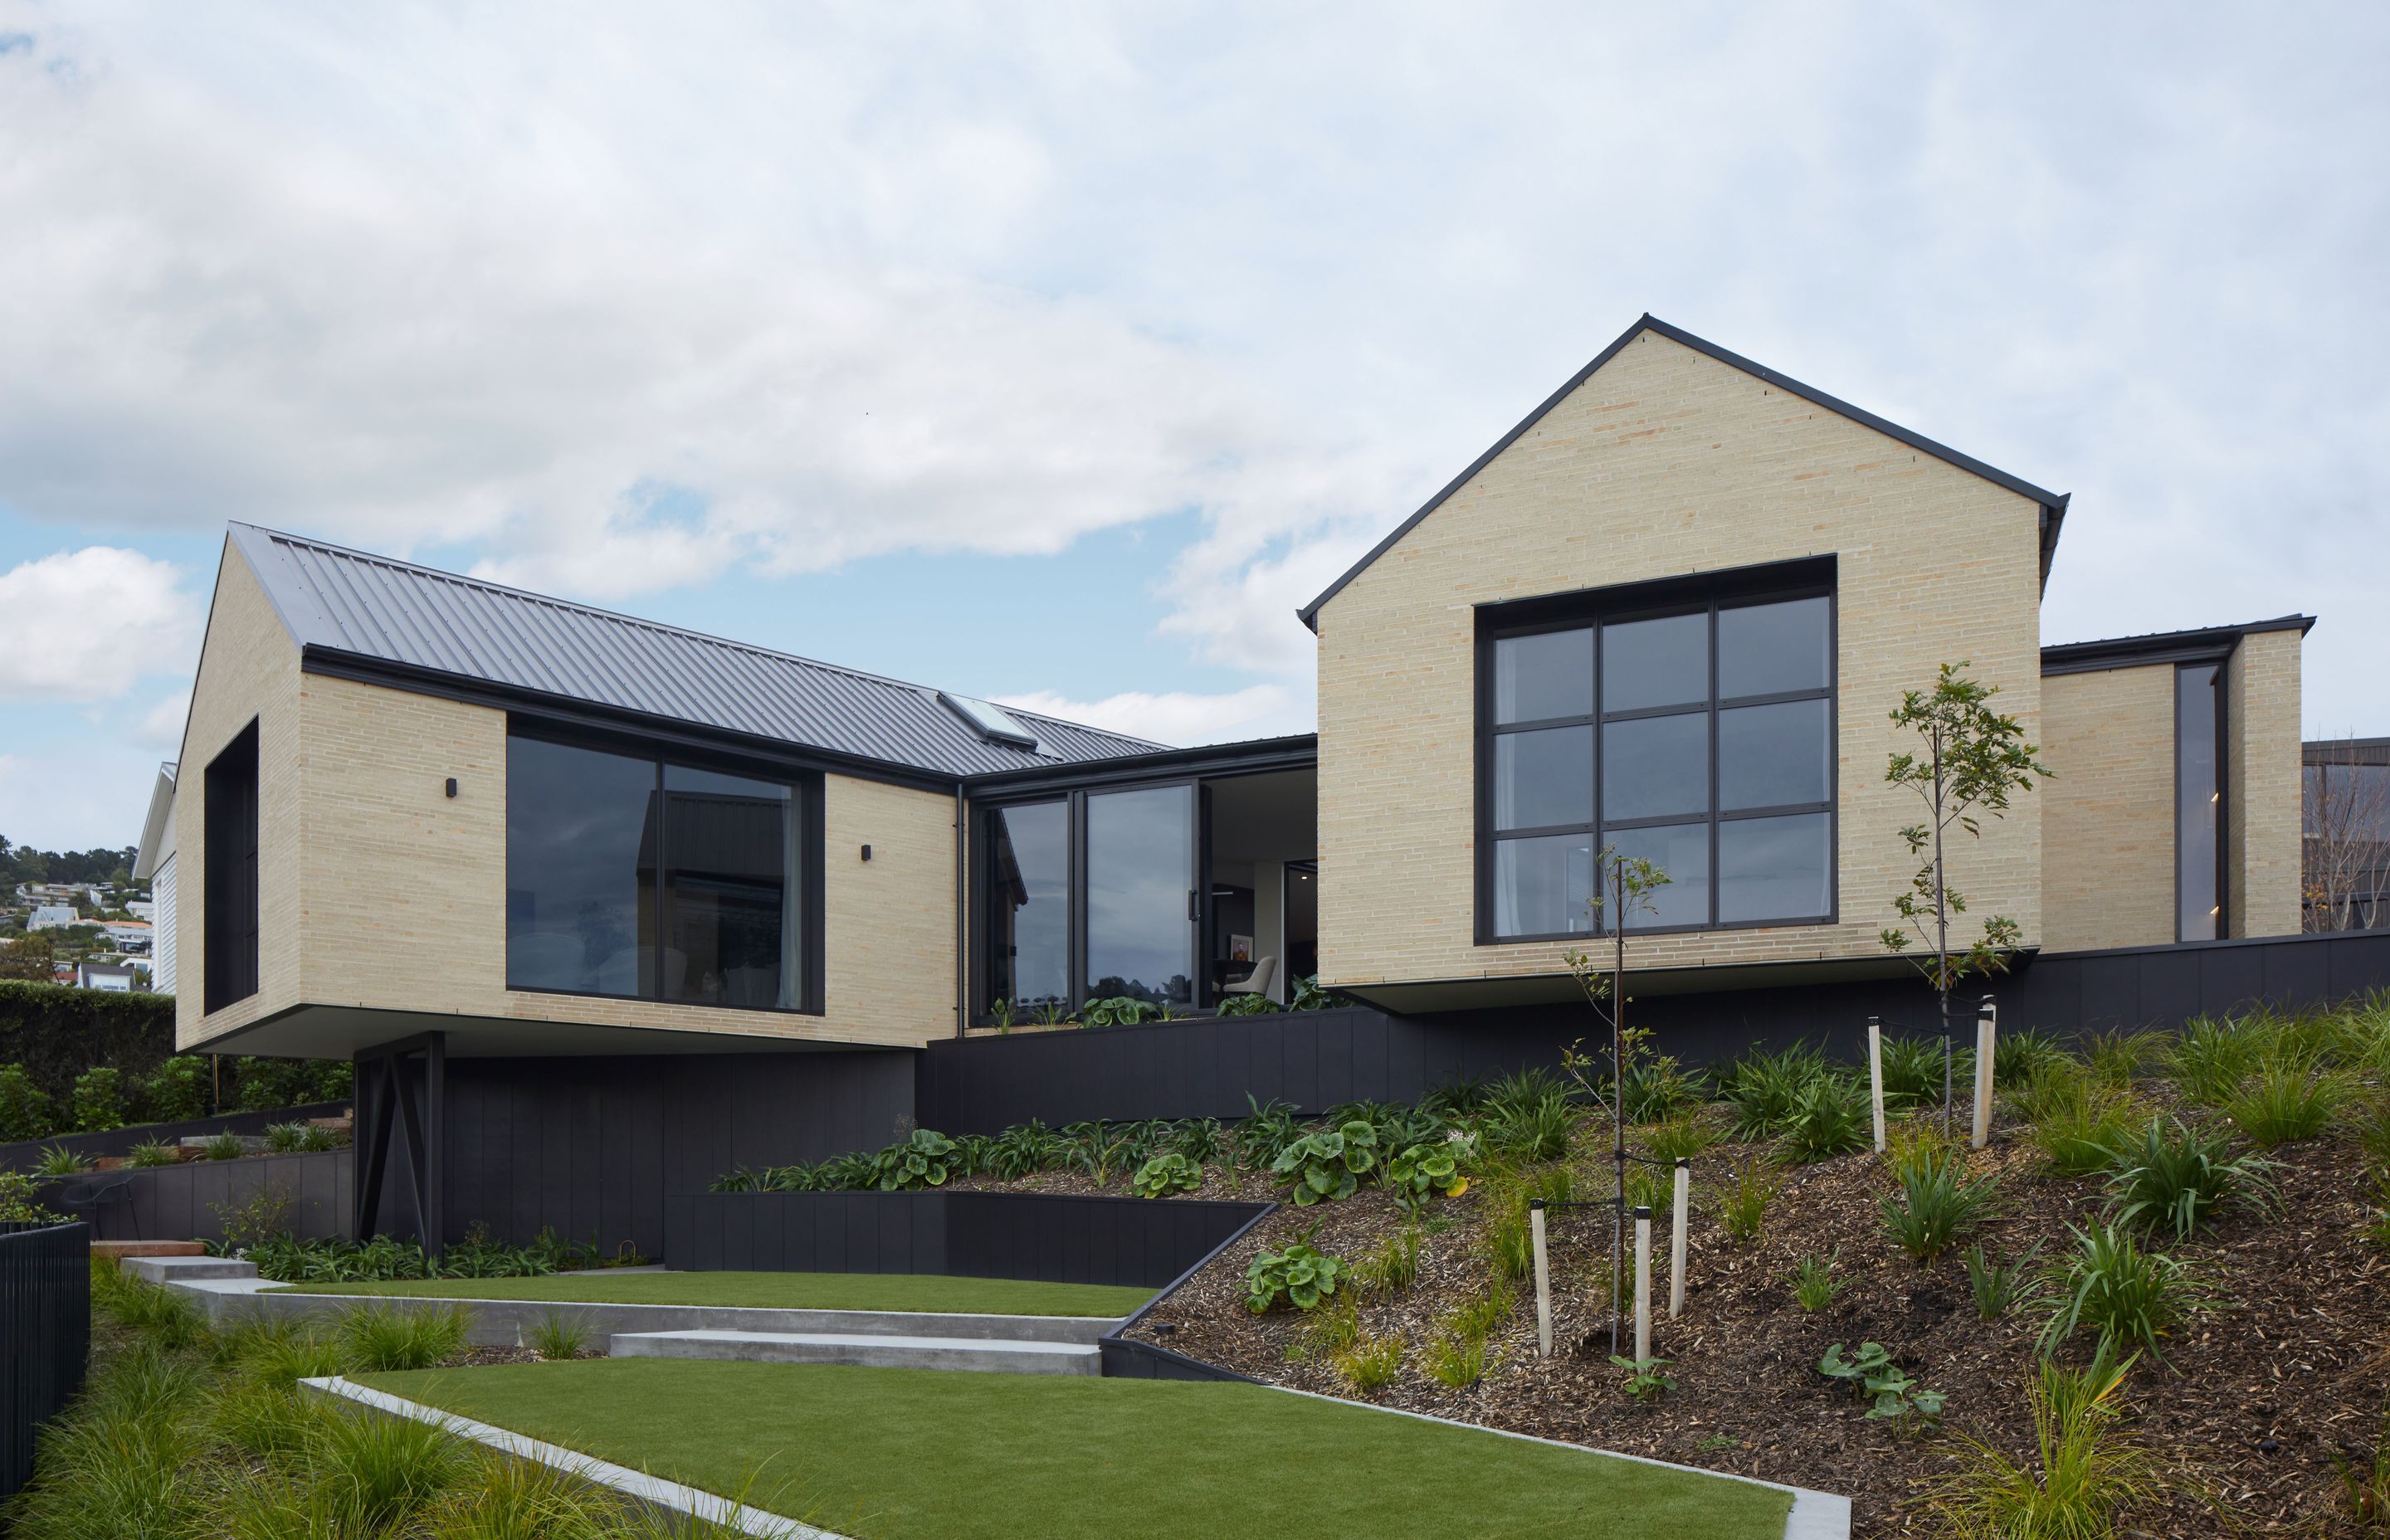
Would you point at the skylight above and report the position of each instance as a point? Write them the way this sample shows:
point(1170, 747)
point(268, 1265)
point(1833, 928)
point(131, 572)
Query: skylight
point(991, 722)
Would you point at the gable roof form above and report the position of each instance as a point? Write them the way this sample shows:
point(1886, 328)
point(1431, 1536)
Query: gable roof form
point(2206, 644)
point(347, 607)
point(2053, 504)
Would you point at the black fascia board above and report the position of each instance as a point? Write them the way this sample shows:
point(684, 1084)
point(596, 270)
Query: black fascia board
point(1298, 752)
point(336, 663)
point(2052, 503)
point(2207, 645)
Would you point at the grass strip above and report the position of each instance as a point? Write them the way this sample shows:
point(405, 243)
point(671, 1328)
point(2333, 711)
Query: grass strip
point(910, 1453)
point(911, 1291)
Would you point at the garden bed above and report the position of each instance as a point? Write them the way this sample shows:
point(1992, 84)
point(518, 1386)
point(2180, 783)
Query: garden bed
point(884, 1454)
point(884, 1291)
point(2285, 1368)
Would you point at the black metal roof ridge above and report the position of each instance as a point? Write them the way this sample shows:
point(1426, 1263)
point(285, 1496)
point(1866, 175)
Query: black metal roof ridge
point(1292, 752)
point(2052, 503)
point(2160, 646)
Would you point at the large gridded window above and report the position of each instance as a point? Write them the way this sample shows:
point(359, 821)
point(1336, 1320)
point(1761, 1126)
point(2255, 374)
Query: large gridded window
point(631, 876)
point(1698, 736)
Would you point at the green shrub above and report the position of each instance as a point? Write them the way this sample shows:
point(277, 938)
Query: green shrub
point(924, 1158)
point(2000, 1288)
point(58, 1161)
point(1828, 1117)
point(1267, 1135)
point(223, 1147)
point(1327, 1166)
point(2210, 1059)
point(1199, 1139)
point(1814, 1284)
point(2117, 1059)
point(1428, 1170)
point(1458, 1362)
point(1888, 1388)
point(1918, 1143)
point(1742, 1205)
point(559, 1336)
point(2085, 1467)
point(1529, 1131)
point(1300, 1274)
point(178, 1091)
point(1683, 1137)
point(2019, 1056)
point(2285, 1101)
point(98, 1101)
point(280, 1354)
point(1024, 1149)
point(1763, 1088)
point(1912, 1071)
point(1657, 1089)
point(17, 1205)
point(1644, 1379)
point(378, 1338)
point(2076, 1121)
point(1392, 1267)
point(1370, 1364)
point(1165, 1174)
point(2176, 1177)
point(1246, 1005)
point(25, 1107)
point(382, 1471)
point(151, 1154)
point(2112, 1287)
point(1119, 1010)
point(292, 1138)
point(1936, 1206)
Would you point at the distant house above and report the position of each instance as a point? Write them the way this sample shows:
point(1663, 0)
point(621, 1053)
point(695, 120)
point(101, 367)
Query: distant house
point(154, 864)
point(51, 916)
point(113, 977)
point(142, 908)
point(129, 935)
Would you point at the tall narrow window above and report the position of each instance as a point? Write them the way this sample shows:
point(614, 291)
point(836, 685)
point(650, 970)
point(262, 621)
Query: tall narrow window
point(1698, 736)
point(1141, 896)
point(2199, 792)
point(632, 876)
point(228, 884)
point(1028, 874)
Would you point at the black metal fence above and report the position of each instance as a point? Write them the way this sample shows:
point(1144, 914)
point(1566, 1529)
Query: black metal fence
point(44, 1334)
point(1050, 1238)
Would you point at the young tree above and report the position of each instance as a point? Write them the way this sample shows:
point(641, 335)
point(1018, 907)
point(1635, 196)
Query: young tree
point(33, 957)
point(2348, 837)
point(1625, 888)
point(1972, 759)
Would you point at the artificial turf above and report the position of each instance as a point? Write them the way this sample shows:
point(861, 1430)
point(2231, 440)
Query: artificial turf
point(921, 1291)
point(910, 1454)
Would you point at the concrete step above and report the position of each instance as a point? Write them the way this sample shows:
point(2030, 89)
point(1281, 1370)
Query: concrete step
point(872, 1350)
point(185, 1269)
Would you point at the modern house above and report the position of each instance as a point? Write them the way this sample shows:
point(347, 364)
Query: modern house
point(153, 863)
point(1669, 612)
point(51, 916)
point(2347, 834)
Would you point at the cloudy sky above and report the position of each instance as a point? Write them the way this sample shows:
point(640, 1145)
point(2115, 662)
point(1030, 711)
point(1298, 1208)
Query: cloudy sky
point(1056, 353)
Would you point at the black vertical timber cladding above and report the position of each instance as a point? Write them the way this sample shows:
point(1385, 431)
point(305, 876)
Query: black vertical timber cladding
point(1316, 1059)
point(1033, 1236)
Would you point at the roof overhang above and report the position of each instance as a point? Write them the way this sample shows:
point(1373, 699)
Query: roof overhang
point(2208, 645)
point(1256, 756)
point(339, 1031)
point(157, 828)
point(2052, 503)
point(1421, 996)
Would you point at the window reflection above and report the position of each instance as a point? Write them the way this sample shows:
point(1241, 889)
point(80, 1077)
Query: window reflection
point(1543, 779)
point(1539, 677)
point(1140, 891)
point(2199, 805)
point(1662, 662)
point(1544, 886)
point(730, 924)
point(1029, 904)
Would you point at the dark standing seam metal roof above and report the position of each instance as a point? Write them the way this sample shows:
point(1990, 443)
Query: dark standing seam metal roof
point(373, 608)
point(2053, 504)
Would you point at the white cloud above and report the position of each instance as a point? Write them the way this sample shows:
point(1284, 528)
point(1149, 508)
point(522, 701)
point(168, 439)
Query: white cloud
point(161, 725)
point(1181, 719)
point(85, 624)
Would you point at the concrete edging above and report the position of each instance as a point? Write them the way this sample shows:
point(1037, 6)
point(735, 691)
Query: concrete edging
point(1814, 1516)
point(670, 1498)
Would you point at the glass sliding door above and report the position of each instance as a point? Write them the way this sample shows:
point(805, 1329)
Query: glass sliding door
point(1028, 905)
point(1143, 898)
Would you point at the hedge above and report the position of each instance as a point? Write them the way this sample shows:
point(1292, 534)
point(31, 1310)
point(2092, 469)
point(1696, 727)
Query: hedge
point(57, 1032)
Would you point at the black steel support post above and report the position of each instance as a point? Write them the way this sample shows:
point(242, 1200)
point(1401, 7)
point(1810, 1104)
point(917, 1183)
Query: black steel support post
point(421, 1120)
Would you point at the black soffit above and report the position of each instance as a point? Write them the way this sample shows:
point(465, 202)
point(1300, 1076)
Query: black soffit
point(2052, 503)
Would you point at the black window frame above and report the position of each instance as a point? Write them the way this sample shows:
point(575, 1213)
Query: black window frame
point(2219, 667)
point(1592, 610)
point(806, 798)
point(228, 877)
point(982, 877)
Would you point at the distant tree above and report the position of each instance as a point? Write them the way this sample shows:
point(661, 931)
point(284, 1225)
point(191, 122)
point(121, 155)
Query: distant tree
point(32, 958)
point(1970, 762)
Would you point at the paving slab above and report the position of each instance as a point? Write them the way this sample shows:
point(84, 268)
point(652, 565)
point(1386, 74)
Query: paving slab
point(869, 1351)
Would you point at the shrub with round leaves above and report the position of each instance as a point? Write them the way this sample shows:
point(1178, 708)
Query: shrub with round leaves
point(923, 1158)
point(1165, 1174)
point(1329, 1165)
point(1426, 1171)
point(1299, 1274)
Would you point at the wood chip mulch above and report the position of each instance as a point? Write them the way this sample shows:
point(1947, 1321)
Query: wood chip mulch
point(2289, 1364)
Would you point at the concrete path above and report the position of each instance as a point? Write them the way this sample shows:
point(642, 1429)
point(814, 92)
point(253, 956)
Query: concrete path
point(870, 1351)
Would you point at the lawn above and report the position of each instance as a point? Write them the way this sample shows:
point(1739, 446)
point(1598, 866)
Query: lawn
point(910, 1453)
point(921, 1291)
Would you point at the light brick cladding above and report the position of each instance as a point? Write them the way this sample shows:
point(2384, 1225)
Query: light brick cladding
point(2263, 784)
point(2107, 819)
point(1664, 462)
